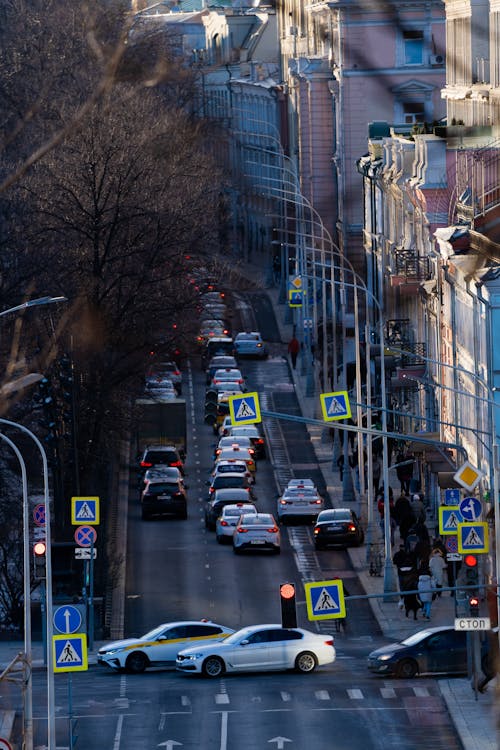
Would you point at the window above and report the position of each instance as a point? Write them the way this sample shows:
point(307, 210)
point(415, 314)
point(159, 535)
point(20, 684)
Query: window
point(413, 40)
point(202, 631)
point(413, 112)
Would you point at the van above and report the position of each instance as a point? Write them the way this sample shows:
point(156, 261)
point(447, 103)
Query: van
point(217, 345)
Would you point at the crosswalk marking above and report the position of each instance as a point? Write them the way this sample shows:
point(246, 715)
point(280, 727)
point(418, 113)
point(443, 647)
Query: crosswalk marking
point(421, 692)
point(285, 696)
point(222, 698)
point(322, 695)
point(387, 692)
point(355, 694)
point(185, 701)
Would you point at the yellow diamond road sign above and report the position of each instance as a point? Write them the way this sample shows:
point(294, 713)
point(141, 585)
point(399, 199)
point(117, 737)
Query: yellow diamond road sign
point(468, 476)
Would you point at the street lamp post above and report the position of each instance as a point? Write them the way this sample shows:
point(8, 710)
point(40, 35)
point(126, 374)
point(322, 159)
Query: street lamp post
point(27, 668)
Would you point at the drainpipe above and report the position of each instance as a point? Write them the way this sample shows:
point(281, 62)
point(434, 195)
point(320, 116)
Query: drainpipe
point(451, 282)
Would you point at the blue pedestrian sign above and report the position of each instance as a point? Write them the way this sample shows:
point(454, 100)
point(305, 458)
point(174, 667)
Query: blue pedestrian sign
point(335, 405)
point(85, 510)
point(70, 653)
point(471, 508)
point(452, 496)
point(325, 600)
point(67, 619)
point(295, 297)
point(449, 519)
point(244, 408)
point(473, 537)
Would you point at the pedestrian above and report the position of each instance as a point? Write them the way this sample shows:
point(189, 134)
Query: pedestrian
point(293, 350)
point(376, 472)
point(425, 588)
point(404, 472)
point(437, 566)
point(405, 564)
point(418, 507)
point(404, 516)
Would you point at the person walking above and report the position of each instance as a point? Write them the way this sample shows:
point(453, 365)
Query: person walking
point(376, 472)
point(293, 350)
point(425, 589)
point(405, 471)
point(437, 566)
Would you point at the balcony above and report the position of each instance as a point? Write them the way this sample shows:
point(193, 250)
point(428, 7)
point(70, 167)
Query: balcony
point(408, 270)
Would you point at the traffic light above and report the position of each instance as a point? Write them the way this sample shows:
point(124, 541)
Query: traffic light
point(471, 570)
point(474, 606)
point(39, 555)
point(288, 607)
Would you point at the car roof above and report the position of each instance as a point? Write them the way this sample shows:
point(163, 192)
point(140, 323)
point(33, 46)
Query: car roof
point(245, 428)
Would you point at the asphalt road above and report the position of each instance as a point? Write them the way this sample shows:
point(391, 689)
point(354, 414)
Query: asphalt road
point(176, 570)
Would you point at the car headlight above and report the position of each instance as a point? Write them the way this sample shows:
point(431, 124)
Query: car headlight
point(191, 657)
point(111, 651)
point(384, 657)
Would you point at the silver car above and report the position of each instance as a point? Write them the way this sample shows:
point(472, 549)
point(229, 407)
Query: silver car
point(256, 531)
point(299, 502)
point(228, 519)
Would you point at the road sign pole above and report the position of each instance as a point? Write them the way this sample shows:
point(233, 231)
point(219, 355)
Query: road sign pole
point(91, 596)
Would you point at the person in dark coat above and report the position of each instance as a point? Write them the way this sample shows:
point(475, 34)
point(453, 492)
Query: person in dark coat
point(293, 350)
point(410, 600)
point(404, 473)
point(404, 516)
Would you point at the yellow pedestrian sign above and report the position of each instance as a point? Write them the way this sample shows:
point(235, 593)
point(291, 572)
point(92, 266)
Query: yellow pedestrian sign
point(473, 537)
point(449, 519)
point(335, 405)
point(295, 297)
point(244, 408)
point(85, 510)
point(70, 652)
point(325, 599)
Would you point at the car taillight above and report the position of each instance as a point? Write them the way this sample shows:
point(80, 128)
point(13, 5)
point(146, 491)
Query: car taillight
point(272, 529)
point(259, 346)
point(283, 502)
point(351, 527)
point(316, 530)
point(211, 490)
point(259, 441)
point(146, 464)
point(242, 531)
point(329, 643)
point(224, 523)
point(177, 372)
point(218, 452)
point(315, 502)
point(176, 463)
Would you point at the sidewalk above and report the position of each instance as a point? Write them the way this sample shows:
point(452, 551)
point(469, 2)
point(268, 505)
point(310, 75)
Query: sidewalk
point(475, 717)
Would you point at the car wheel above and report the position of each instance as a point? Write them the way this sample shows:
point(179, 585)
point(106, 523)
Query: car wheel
point(136, 662)
point(305, 662)
point(213, 666)
point(407, 668)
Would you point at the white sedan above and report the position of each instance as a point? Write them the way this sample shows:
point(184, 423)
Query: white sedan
point(259, 648)
point(228, 519)
point(160, 646)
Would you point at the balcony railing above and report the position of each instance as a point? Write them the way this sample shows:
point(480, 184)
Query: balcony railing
point(411, 266)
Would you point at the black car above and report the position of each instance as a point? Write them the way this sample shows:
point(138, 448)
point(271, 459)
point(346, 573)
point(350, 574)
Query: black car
point(219, 499)
point(433, 650)
point(164, 497)
point(162, 455)
point(338, 526)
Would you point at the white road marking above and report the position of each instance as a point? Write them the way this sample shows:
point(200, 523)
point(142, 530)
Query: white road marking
point(222, 698)
point(421, 692)
point(387, 692)
point(322, 695)
point(355, 694)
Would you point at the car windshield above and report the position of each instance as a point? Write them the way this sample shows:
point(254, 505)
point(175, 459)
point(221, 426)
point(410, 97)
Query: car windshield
point(240, 635)
point(297, 493)
point(232, 468)
point(258, 520)
point(412, 640)
point(228, 481)
point(339, 515)
point(159, 457)
point(163, 487)
point(247, 337)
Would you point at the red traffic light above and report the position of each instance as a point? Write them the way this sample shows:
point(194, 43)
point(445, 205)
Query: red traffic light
point(39, 548)
point(474, 601)
point(287, 590)
point(470, 561)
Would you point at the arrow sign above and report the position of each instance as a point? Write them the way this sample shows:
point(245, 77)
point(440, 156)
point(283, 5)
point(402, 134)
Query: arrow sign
point(280, 742)
point(169, 744)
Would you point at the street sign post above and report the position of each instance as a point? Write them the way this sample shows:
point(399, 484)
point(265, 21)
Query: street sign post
point(325, 600)
point(85, 553)
point(244, 408)
point(39, 514)
point(471, 508)
point(472, 623)
point(449, 519)
point(452, 496)
point(335, 405)
point(85, 510)
point(85, 536)
point(70, 652)
point(473, 537)
point(68, 618)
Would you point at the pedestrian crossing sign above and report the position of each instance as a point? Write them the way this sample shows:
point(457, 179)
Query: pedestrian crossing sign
point(473, 537)
point(449, 519)
point(85, 510)
point(244, 408)
point(70, 652)
point(335, 405)
point(295, 297)
point(325, 599)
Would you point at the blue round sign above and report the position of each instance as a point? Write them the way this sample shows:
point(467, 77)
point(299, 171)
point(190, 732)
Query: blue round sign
point(470, 508)
point(67, 619)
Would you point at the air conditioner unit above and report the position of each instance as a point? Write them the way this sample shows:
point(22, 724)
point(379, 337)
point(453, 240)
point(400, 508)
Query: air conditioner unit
point(437, 60)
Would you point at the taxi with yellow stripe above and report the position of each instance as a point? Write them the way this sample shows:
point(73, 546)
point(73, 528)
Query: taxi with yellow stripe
point(159, 647)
